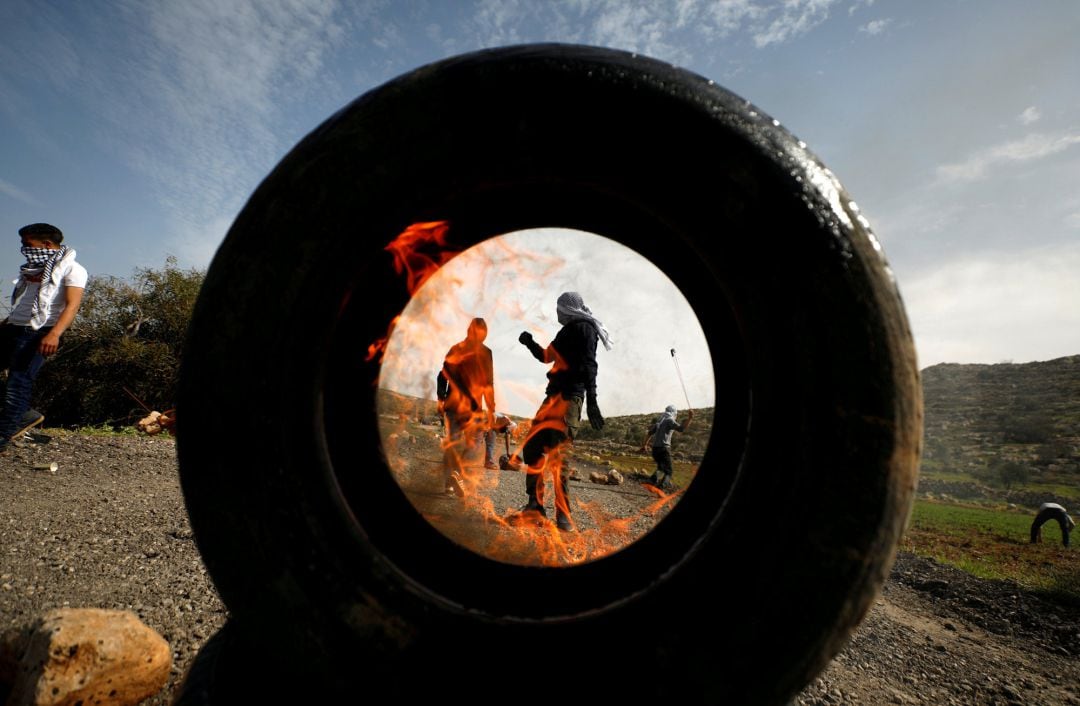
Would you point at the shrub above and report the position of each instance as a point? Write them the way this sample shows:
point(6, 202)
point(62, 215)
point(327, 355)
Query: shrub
point(1010, 473)
point(125, 344)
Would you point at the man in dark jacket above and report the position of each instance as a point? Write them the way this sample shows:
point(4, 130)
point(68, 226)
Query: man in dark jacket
point(571, 384)
point(464, 386)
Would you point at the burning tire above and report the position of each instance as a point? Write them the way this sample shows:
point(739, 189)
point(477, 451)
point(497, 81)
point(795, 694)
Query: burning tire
point(753, 581)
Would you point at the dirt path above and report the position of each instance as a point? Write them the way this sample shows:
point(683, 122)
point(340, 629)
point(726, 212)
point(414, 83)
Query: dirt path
point(606, 517)
point(109, 529)
point(914, 648)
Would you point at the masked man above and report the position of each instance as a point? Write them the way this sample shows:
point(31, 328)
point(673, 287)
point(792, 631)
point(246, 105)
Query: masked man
point(660, 432)
point(571, 385)
point(46, 299)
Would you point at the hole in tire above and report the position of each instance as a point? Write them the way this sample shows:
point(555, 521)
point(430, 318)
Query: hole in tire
point(465, 471)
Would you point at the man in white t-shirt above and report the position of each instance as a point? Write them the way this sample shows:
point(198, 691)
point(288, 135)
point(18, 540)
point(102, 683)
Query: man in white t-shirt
point(46, 299)
point(1052, 511)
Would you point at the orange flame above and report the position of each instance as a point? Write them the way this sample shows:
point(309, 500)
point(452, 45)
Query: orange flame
point(474, 521)
point(408, 249)
point(378, 348)
point(409, 257)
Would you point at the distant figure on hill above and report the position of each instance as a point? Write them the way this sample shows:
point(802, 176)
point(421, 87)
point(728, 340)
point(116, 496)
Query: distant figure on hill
point(660, 432)
point(1052, 511)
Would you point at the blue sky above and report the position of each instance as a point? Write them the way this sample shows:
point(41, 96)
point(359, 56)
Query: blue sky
point(141, 128)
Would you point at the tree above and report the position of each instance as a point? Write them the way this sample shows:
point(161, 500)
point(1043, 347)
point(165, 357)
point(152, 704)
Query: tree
point(1010, 473)
point(124, 344)
point(1031, 428)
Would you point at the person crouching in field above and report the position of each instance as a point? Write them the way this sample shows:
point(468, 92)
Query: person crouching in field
point(660, 432)
point(1052, 511)
point(47, 296)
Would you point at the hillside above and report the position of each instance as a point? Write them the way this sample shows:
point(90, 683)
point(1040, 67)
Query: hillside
point(983, 419)
point(626, 431)
point(982, 422)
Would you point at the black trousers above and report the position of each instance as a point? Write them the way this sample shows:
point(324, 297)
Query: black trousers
point(662, 456)
point(1044, 516)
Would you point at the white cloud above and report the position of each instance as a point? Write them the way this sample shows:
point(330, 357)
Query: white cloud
point(716, 20)
point(626, 25)
point(238, 54)
point(667, 31)
point(875, 27)
point(1033, 146)
point(16, 193)
point(497, 21)
point(796, 17)
point(1030, 115)
point(197, 103)
point(997, 307)
point(858, 5)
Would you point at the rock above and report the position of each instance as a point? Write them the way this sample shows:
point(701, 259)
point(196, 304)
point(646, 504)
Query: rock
point(149, 422)
point(87, 655)
point(611, 477)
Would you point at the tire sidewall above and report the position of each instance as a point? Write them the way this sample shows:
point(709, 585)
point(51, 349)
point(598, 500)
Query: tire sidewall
point(774, 553)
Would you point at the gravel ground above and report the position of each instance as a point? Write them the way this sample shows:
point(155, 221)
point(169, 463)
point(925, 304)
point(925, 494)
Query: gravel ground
point(108, 529)
point(937, 635)
point(606, 517)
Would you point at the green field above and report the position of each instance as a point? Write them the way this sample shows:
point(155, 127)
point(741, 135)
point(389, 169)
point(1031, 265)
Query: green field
point(994, 543)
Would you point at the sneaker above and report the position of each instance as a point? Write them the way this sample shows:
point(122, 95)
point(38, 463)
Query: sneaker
point(533, 506)
point(490, 465)
point(30, 419)
point(530, 514)
point(666, 484)
point(563, 522)
point(454, 485)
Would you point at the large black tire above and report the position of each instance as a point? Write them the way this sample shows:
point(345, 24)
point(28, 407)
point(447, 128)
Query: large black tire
point(776, 550)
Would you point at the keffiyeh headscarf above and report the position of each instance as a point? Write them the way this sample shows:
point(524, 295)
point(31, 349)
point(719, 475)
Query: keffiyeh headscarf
point(570, 307)
point(39, 261)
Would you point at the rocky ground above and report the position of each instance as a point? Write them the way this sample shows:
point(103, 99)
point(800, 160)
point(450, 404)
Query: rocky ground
point(108, 529)
point(607, 516)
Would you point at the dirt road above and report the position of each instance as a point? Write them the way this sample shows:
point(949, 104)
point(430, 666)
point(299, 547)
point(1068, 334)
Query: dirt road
point(109, 530)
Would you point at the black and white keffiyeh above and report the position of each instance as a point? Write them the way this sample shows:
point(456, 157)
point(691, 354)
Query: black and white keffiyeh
point(570, 307)
point(39, 261)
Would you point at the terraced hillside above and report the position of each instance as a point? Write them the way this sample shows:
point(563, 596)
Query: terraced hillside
point(983, 421)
